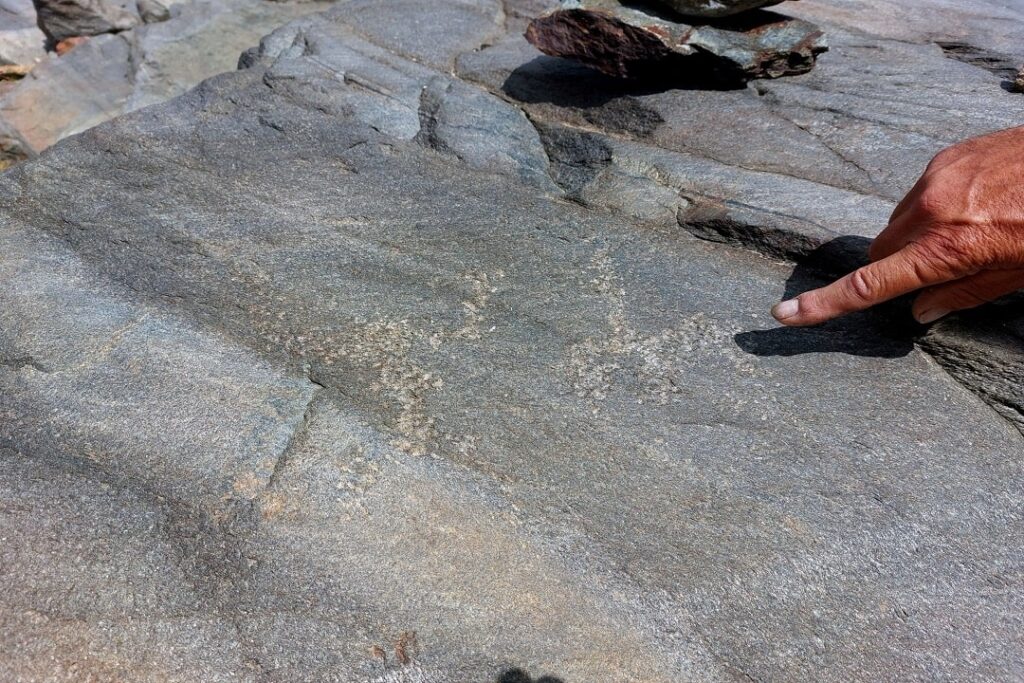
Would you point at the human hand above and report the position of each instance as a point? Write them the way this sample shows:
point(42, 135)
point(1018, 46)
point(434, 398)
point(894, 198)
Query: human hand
point(958, 235)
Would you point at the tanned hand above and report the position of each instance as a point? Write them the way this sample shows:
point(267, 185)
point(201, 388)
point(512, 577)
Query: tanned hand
point(958, 236)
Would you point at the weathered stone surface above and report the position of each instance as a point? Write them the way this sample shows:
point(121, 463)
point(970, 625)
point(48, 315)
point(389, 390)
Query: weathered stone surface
point(13, 147)
point(92, 82)
point(62, 19)
point(642, 42)
point(21, 41)
point(152, 11)
point(318, 354)
point(984, 24)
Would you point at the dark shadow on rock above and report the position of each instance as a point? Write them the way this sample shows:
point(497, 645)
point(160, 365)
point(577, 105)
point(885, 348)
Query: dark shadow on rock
point(886, 331)
point(565, 83)
point(1002, 65)
point(520, 676)
point(999, 324)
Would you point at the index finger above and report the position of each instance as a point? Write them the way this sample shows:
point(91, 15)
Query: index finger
point(905, 271)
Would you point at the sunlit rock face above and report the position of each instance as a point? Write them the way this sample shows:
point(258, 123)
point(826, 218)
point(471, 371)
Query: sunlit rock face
point(409, 354)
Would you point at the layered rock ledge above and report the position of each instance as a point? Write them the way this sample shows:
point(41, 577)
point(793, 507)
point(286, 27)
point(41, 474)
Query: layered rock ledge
point(406, 329)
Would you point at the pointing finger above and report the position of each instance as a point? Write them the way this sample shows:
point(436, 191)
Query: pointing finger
point(905, 271)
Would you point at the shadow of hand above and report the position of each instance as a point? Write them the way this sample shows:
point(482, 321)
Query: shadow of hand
point(886, 331)
point(520, 676)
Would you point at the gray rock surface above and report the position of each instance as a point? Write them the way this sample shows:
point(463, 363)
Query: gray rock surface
point(21, 41)
point(643, 42)
point(405, 328)
point(13, 147)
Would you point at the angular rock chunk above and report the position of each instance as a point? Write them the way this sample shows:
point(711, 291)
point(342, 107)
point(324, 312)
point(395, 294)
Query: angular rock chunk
point(715, 8)
point(62, 19)
point(643, 43)
point(13, 147)
point(21, 41)
point(152, 11)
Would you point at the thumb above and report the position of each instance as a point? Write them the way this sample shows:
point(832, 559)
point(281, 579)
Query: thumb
point(905, 271)
point(969, 292)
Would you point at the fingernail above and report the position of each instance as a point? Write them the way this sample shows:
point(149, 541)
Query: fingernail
point(786, 309)
point(931, 315)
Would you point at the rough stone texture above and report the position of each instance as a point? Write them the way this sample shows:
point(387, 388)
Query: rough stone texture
point(21, 41)
point(994, 25)
point(61, 19)
point(403, 328)
point(644, 43)
point(111, 74)
point(13, 147)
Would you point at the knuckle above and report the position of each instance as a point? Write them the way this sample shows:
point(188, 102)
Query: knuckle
point(943, 158)
point(930, 205)
point(863, 286)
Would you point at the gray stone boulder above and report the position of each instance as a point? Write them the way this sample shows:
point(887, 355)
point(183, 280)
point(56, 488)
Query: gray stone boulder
point(61, 19)
point(406, 353)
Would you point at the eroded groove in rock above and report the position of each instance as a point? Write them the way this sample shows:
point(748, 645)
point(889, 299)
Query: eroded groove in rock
point(710, 221)
point(1002, 65)
point(576, 157)
point(985, 356)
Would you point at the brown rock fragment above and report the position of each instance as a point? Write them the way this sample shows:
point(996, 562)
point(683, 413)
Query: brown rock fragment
point(69, 44)
point(644, 43)
point(13, 72)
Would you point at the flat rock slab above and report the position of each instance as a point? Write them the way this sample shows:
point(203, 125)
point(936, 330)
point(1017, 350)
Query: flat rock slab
point(714, 8)
point(360, 342)
point(648, 44)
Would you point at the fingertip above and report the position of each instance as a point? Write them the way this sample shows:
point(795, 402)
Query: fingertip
point(930, 315)
point(786, 311)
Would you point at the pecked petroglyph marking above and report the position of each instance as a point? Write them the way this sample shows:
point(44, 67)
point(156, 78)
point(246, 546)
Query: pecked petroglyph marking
point(474, 308)
point(655, 360)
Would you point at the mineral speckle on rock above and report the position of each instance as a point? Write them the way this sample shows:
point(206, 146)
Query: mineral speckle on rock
point(643, 43)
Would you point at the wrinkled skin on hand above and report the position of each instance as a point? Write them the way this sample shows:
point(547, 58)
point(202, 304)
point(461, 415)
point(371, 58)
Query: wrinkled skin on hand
point(958, 236)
